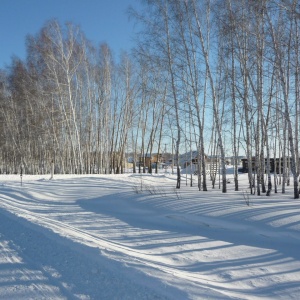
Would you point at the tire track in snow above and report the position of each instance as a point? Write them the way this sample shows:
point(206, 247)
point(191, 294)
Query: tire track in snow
point(91, 276)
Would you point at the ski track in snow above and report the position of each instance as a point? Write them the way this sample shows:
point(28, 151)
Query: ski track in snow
point(93, 237)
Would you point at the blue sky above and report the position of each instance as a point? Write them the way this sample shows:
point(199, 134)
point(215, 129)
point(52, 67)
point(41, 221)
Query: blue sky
point(100, 20)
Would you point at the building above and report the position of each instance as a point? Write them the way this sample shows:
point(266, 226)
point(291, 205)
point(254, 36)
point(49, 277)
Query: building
point(151, 160)
point(277, 164)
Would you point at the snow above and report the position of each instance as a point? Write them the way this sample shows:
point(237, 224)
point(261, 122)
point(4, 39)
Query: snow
point(134, 236)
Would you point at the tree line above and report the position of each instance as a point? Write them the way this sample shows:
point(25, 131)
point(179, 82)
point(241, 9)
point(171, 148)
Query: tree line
point(218, 76)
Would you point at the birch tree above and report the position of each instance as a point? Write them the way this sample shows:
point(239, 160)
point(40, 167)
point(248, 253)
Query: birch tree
point(282, 64)
point(205, 52)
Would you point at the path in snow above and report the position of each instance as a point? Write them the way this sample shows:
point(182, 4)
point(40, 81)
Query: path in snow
point(37, 264)
point(189, 245)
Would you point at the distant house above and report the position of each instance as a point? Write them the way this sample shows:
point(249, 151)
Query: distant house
point(189, 159)
point(152, 160)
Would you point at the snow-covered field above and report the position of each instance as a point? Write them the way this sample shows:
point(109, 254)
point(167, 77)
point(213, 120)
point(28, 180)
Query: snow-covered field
point(136, 237)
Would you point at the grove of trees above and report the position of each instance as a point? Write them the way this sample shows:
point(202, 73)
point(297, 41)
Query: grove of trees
point(217, 76)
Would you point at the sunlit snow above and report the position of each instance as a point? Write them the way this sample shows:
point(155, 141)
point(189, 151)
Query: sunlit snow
point(134, 236)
